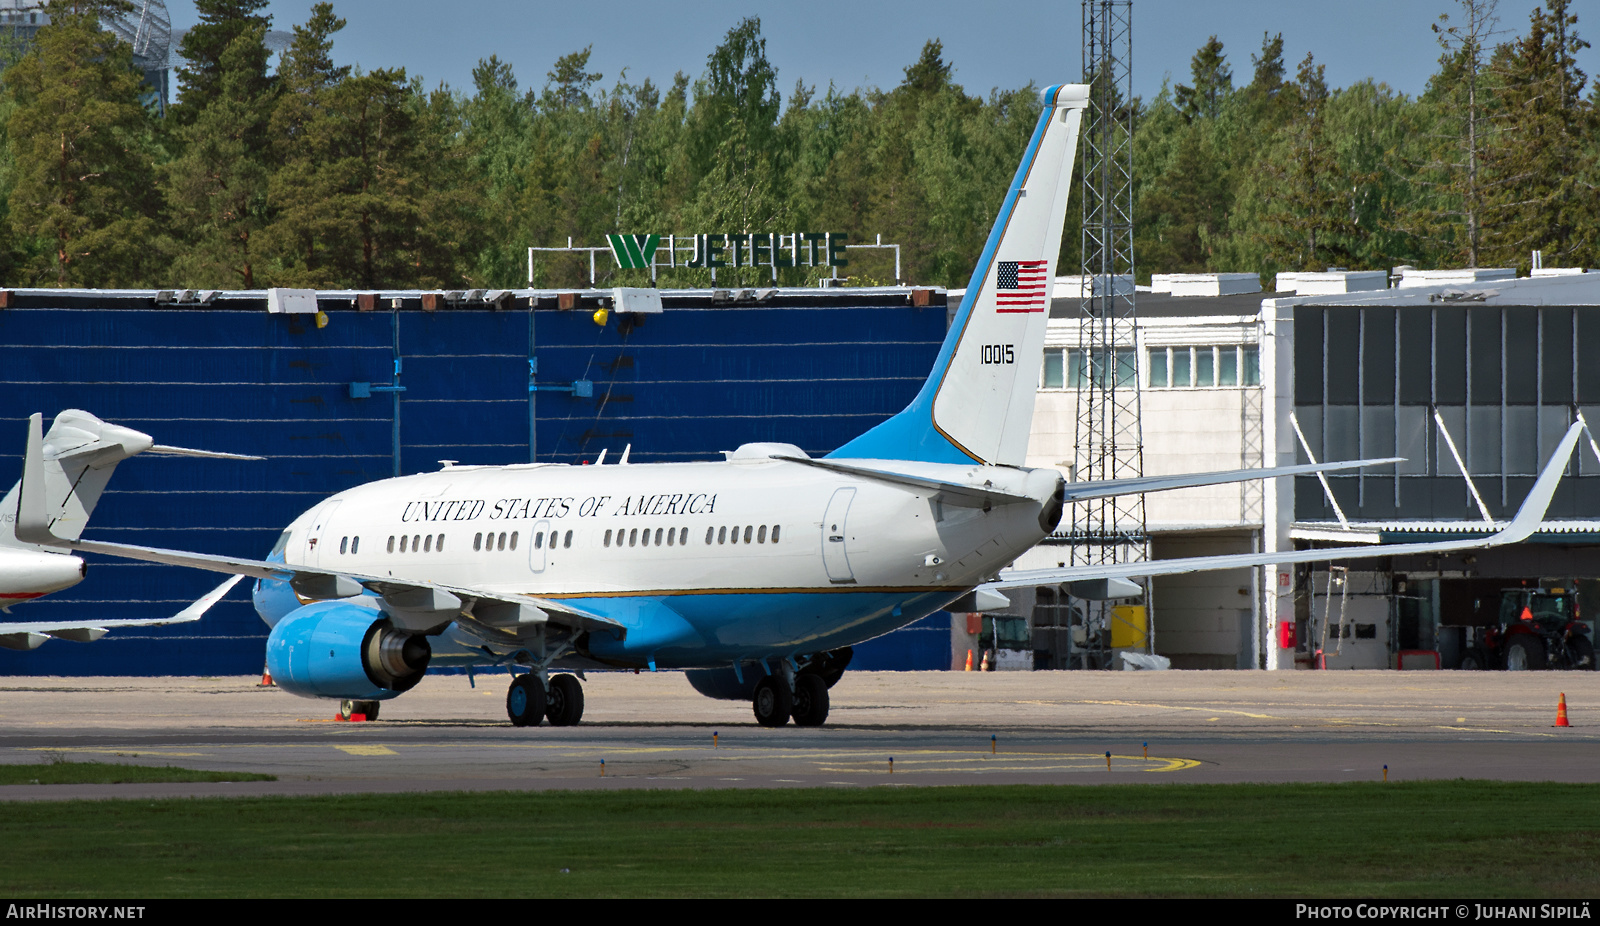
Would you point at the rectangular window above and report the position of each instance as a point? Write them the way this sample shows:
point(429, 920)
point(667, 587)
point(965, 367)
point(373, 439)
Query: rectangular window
point(1077, 376)
point(1227, 366)
point(1181, 367)
point(1252, 366)
point(1205, 367)
point(1127, 367)
point(1054, 371)
point(1158, 367)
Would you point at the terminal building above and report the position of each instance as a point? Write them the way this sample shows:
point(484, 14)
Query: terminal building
point(1464, 374)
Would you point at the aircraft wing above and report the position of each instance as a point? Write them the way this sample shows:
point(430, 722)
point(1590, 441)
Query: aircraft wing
point(30, 634)
point(1519, 529)
point(982, 496)
point(405, 595)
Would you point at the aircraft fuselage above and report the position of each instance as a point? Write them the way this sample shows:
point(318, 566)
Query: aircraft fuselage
point(706, 563)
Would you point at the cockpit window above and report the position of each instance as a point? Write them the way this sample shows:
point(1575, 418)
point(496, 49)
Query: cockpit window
point(280, 546)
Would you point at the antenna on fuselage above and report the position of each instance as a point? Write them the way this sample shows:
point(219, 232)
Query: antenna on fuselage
point(624, 460)
point(601, 459)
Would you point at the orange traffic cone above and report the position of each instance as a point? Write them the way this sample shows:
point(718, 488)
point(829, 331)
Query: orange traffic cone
point(984, 666)
point(969, 662)
point(266, 679)
point(1561, 712)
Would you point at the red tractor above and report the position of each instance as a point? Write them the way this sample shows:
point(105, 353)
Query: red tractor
point(1538, 628)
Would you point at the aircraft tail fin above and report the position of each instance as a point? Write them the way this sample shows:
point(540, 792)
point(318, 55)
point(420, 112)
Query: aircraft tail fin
point(977, 405)
point(63, 475)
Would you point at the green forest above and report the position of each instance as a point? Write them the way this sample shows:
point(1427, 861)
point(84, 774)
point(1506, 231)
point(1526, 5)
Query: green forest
point(299, 170)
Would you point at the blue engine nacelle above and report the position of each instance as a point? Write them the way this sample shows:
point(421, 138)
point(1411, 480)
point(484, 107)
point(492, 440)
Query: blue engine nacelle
point(336, 649)
point(725, 684)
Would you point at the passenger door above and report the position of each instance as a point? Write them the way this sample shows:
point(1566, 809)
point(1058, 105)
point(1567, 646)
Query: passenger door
point(834, 556)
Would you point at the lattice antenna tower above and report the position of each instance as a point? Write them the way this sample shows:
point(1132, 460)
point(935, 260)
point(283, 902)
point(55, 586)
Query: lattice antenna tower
point(148, 29)
point(1110, 440)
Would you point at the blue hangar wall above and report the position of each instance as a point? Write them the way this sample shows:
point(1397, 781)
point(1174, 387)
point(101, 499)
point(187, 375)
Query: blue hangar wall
point(810, 367)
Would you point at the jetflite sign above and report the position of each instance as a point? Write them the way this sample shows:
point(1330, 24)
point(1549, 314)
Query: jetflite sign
point(776, 250)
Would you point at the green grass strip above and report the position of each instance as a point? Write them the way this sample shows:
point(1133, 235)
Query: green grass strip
point(1427, 839)
point(112, 773)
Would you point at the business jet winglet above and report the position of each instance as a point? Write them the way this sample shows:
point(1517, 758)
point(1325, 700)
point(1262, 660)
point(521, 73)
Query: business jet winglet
point(755, 574)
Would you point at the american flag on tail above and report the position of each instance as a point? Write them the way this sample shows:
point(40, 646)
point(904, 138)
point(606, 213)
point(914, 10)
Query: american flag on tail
point(1021, 286)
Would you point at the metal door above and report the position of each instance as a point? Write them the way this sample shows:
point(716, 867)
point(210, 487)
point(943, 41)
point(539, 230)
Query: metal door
point(834, 557)
point(536, 550)
point(316, 542)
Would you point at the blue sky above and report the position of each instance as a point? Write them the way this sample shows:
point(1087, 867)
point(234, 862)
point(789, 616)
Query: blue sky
point(864, 44)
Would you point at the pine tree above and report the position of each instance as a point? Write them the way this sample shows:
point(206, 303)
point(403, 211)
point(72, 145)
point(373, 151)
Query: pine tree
point(201, 78)
point(1543, 197)
point(84, 186)
point(1213, 83)
point(1452, 213)
point(217, 188)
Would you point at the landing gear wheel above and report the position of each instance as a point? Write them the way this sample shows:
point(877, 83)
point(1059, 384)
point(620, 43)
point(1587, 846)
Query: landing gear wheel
point(810, 701)
point(525, 702)
point(773, 702)
point(369, 708)
point(1474, 660)
point(1524, 652)
point(564, 701)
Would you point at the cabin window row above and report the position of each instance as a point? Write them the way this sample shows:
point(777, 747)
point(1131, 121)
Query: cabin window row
point(492, 542)
point(661, 536)
point(349, 544)
point(752, 534)
point(417, 543)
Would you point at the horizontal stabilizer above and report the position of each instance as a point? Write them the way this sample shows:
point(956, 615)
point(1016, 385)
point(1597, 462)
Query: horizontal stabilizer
point(1521, 527)
point(169, 451)
point(1083, 491)
point(955, 493)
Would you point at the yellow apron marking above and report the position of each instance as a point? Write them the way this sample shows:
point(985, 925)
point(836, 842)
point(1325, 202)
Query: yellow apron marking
point(367, 750)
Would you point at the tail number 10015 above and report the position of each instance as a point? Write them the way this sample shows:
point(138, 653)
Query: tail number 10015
point(999, 353)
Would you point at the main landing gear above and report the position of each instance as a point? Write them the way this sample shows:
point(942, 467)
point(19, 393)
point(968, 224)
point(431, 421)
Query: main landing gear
point(531, 700)
point(776, 702)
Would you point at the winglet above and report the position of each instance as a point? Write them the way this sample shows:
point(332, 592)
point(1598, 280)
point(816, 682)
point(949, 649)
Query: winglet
point(33, 514)
point(1539, 497)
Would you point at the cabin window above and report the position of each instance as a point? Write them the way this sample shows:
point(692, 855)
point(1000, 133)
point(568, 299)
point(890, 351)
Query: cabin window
point(672, 536)
point(439, 544)
point(608, 538)
point(645, 540)
point(683, 537)
point(403, 543)
point(514, 539)
point(633, 537)
point(658, 536)
point(502, 540)
point(722, 535)
point(391, 543)
point(709, 532)
point(566, 543)
point(427, 544)
point(538, 541)
point(761, 535)
point(477, 541)
point(774, 533)
point(747, 531)
point(355, 544)
point(344, 542)
point(416, 542)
